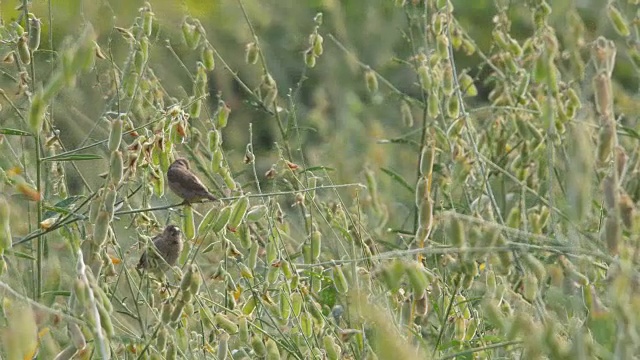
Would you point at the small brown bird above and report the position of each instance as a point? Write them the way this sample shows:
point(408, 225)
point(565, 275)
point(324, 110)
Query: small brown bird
point(168, 245)
point(186, 184)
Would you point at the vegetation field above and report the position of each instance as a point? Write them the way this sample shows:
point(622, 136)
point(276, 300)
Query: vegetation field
point(408, 179)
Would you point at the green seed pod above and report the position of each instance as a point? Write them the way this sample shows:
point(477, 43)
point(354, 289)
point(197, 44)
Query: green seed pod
point(611, 234)
point(606, 142)
point(101, 228)
point(536, 266)
point(177, 311)
point(223, 115)
point(417, 278)
point(339, 280)
point(249, 306)
point(216, 161)
point(457, 233)
point(200, 84)
point(433, 105)
point(316, 245)
point(161, 339)
point(187, 276)
point(331, 348)
point(493, 313)
point(406, 114)
point(244, 235)
point(285, 266)
point(222, 219)
point(228, 179)
point(116, 168)
point(285, 305)
point(306, 324)
point(272, 350)
point(238, 212)
point(105, 320)
point(215, 140)
point(35, 30)
point(296, 303)
point(110, 201)
point(272, 252)
point(316, 312)
point(425, 77)
point(208, 58)
point(223, 346)
point(243, 329)
point(5, 227)
point(467, 86)
point(371, 80)
point(172, 351)
point(272, 275)
point(442, 46)
point(147, 20)
point(618, 21)
point(115, 136)
point(309, 58)
point(36, 112)
point(207, 221)
point(76, 336)
point(252, 260)
point(24, 53)
point(165, 314)
point(453, 106)
point(195, 109)
point(188, 225)
point(226, 324)
point(252, 53)
point(256, 213)
point(258, 347)
point(316, 41)
point(530, 284)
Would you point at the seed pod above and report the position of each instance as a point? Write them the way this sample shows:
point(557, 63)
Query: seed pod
point(249, 306)
point(285, 305)
point(272, 350)
point(272, 252)
point(243, 329)
point(417, 278)
point(433, 105)
point(165, 314)
point(207, 221)
point(223, 346)
point(35, 30)
point(101, 228)
point(316, 41)
point(442, 46)
point(467, 86)
point(115, 136)
point(244, 235)
point(252, 260)
point(536, 266)
point(306, 324)
point(185, 283)
point(256, 213)
point(188, 225)
point(296, 303)
point(425, 77)
point(105, 320)
point(238, 212)
point(493, 313)
point(222, 219)
point(177, 311)
point(223, 115)
point(530, 283)
point(36, 112)
point(618, 21)
point(208, 58)
point(457, 233)
point(272, 275)
point(24, 53)
point(309, 58)
point(371, 80)
point(161, 339)
point(339, 280)
point(332, 349)
point(251, 53)
point(316, 245)
point(5, 226)
point(611, 234)
point(606, 142)
point(115, 168)
point(147, 20)
point(172, 351)
point(258, 347)
point(225, 323)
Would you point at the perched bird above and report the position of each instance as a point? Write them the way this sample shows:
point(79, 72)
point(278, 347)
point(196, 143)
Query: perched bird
point(186, 184)
point(168, 245)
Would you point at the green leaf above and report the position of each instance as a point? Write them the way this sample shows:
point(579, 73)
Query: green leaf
point(314, 168)
point(74, 157)
point(398, 178)
point(7, 131)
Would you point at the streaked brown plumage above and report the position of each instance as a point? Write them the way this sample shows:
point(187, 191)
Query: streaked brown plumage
point(186, 184)
point(168, 244)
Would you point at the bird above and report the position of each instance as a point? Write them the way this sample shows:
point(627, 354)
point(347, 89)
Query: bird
point(186, 184)
point(168, 245)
